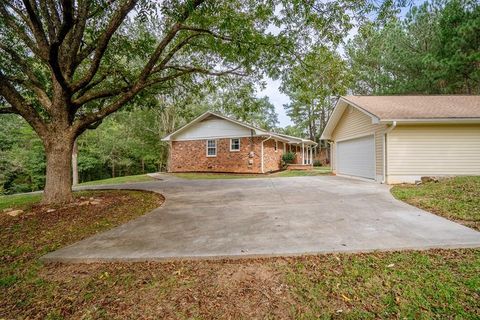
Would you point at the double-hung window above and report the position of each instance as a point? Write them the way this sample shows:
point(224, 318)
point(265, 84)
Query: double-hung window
point(235, 144)
point(211, 148)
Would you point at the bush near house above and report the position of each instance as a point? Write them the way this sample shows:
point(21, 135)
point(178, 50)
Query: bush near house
point(288, 157)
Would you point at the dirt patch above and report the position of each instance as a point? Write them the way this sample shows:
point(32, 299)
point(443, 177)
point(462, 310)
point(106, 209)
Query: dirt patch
point(229, 277)
point(246, 289)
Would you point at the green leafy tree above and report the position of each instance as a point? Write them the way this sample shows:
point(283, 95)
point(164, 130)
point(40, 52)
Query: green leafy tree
point(435, 49)
point(311, 85)
point(238, 99)
point(22, 158)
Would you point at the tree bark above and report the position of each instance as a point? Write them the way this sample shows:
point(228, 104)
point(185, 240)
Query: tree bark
point(58, 185)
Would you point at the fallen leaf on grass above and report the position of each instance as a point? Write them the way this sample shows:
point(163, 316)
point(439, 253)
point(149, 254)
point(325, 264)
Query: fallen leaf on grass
point(346, 298)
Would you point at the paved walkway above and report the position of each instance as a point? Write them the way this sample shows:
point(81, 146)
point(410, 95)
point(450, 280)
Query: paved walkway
point(268, 216)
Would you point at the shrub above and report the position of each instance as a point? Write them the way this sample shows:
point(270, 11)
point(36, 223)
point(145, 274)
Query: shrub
point(317, 163)
point(288, 157)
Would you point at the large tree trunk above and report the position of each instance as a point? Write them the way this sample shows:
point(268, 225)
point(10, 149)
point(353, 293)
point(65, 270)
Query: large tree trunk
point(58, 186)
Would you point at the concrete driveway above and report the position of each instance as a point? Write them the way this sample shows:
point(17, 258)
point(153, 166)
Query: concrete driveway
point(269, 216)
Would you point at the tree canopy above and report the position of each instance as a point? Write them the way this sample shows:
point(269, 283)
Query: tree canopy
point(435, 49)
point(312, 86)
point(66, 65)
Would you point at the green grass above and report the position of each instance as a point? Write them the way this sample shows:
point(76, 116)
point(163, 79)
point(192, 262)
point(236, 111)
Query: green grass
point(400, 285)
point(119, 180)
point(454, 198)
point(316, 171)
point(208, 176)
point(19, 201)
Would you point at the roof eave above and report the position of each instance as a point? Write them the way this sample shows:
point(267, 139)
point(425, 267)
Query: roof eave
point(432, 120)
point(186, 126)
point(337, 113)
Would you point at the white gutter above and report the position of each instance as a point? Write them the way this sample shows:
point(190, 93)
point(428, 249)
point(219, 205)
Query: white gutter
point(269, 137)
point(332, 165)
point(394, 124)
point(433, 120)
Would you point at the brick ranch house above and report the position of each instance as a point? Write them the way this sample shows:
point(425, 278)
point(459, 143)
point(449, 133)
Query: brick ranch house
point(215, 143)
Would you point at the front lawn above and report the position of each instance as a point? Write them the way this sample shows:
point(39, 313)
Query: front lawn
point(428, 284)
point(316, 171)
point(119, 180)
point(209, 176)
point(19, 201)
point(457, 198)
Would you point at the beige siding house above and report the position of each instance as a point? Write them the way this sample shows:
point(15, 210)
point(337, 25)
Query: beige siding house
point(399, 139)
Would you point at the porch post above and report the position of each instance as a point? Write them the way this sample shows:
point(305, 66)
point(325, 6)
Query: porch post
point(303, 153)
point(311, 155)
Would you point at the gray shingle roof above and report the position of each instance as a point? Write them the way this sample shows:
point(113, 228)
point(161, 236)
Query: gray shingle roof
point(418, 107)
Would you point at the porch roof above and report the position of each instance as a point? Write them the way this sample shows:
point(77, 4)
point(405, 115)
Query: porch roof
point(296, 140)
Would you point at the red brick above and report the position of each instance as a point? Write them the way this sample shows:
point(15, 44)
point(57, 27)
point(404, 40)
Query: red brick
point(191, 156)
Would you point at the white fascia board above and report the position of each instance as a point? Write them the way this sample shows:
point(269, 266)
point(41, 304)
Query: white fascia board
point(197, 119)
point(296, 140)
point(340, 107)
point(337, 113)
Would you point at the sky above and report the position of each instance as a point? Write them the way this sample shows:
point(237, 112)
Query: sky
point(272, 88)
point(278, 99)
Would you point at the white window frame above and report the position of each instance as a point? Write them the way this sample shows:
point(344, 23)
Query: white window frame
point(234, 150)
point(207, 147)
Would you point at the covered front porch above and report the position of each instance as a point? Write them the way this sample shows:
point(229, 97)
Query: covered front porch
point(304, 153)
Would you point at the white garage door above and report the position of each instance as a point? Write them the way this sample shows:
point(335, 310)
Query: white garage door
point(356, 157)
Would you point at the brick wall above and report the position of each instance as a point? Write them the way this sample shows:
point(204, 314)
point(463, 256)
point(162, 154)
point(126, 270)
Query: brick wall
point(272, 159)
point(191, 156)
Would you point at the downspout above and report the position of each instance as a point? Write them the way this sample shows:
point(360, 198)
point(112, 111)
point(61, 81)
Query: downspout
point(269, 137)
point(394, 124)
point(330, 142)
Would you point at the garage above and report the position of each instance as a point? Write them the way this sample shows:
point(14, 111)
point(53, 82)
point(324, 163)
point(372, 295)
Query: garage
point(401, 139)
point(356, 157)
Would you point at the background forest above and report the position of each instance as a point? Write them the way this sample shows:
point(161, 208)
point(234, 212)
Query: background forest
point(433, 48)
